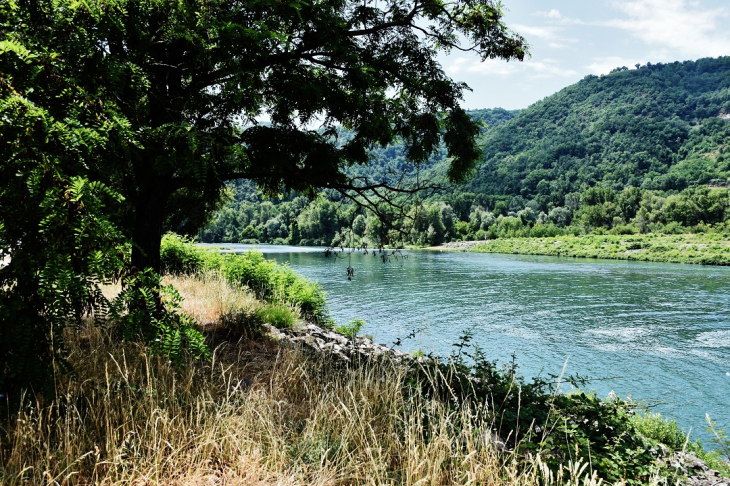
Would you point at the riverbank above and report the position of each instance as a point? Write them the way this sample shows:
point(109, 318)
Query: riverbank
point(702, 249)
point(308, 406)
point(298, 403)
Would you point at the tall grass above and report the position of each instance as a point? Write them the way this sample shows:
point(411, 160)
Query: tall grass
point(209, 298)
point(256, 414)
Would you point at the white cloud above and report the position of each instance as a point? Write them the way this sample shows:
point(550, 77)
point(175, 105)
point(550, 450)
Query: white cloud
point(552, 14)
point(677, 27)
point(541, 32)
point(604, 65)
point(551, 35)
point(531, 69)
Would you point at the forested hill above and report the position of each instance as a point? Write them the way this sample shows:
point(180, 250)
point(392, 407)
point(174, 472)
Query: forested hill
point(661, 127)
point(631, 151)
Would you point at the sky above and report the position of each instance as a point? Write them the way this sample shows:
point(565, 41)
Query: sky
point(571, 39)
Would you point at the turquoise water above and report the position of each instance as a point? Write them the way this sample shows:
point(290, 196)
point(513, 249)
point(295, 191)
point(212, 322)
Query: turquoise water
point(660, 332)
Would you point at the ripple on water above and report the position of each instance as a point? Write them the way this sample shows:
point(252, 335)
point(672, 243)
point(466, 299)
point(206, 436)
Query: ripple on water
point(714, 339)
point(622, 333)
point(515, 331)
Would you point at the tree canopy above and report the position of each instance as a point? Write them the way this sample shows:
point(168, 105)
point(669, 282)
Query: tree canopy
point(184, 83)
point(124, 116)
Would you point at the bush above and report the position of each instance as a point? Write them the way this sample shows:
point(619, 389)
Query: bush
point(274, 282)
point(624, 229)
point(664, 431)
point(674, 228)
point(179, 255)
point(278, 315)
point(536, 418)
point(270, 281)
point(352, 328)
point(545, 230)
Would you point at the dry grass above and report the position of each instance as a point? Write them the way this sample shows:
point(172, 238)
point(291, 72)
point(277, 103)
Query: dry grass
point(209, 297)
point(257, 414)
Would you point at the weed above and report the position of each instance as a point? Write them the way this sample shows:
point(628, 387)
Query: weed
point(278, 315)
point(352, 328)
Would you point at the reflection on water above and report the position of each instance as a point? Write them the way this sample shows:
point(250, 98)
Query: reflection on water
point(658, 331)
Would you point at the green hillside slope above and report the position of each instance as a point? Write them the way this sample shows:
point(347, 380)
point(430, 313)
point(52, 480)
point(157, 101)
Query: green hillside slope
point(634, 151)
point(661, 127)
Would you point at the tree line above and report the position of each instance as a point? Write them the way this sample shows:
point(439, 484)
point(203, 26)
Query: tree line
point(468, 216)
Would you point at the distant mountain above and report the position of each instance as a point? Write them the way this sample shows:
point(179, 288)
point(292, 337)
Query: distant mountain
point(661, 127)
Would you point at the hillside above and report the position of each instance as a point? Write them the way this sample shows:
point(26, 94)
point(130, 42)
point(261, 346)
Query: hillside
point(633, 151)
point(660, 127)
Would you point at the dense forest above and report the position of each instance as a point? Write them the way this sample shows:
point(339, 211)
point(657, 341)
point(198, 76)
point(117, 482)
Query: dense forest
point(637, 150)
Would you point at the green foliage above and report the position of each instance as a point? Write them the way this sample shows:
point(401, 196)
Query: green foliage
point(270, 281)
point(352, 328)
point(656, 127)
point(538, 417)
point(56, 220)
point(634, 151)
point(276, 282)
point(179, 256)
point(278, 315)
point(147, 311)
point(664, 431)
point(172, 80)
point(703, 249)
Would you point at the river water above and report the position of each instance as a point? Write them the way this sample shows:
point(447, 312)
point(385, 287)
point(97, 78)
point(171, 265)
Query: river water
point(657, 332)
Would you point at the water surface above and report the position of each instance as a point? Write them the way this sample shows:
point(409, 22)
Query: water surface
point(660, 332)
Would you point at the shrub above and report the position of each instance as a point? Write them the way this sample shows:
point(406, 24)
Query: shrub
point(655, 427)
point(179, 256)
point(674, 228)
point(277, 282)
point(545, 230)
point(278, 315)
point(624, 229)
point(352, 328)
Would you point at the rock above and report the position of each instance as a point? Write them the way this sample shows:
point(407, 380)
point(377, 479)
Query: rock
point(695, 471)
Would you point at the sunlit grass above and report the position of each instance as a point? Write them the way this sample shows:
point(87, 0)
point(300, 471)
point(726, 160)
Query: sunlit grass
point(257, 414)
point(704, 248)
point(208, 297)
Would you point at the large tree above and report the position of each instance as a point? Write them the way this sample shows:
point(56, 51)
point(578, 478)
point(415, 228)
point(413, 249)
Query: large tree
point(185, 81)
point(118, 117)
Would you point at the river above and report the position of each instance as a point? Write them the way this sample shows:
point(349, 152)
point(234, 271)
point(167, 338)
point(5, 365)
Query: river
point(657, 332)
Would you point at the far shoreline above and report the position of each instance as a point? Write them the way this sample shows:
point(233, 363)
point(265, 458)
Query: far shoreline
point(696, 249)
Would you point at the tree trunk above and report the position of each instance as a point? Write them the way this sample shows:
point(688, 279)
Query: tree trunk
point(149, 217)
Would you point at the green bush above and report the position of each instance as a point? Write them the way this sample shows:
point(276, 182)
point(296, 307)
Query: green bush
point(278, 315)
point(274, 282)
point(545, 230)
point(536, 418)
point(655, 427)
point(269, 280)
point(179, 256)
point(624, 229)
point(352, 328)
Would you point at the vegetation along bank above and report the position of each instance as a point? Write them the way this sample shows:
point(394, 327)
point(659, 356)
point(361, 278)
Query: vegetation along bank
point(280, 400)
point(703, 249)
